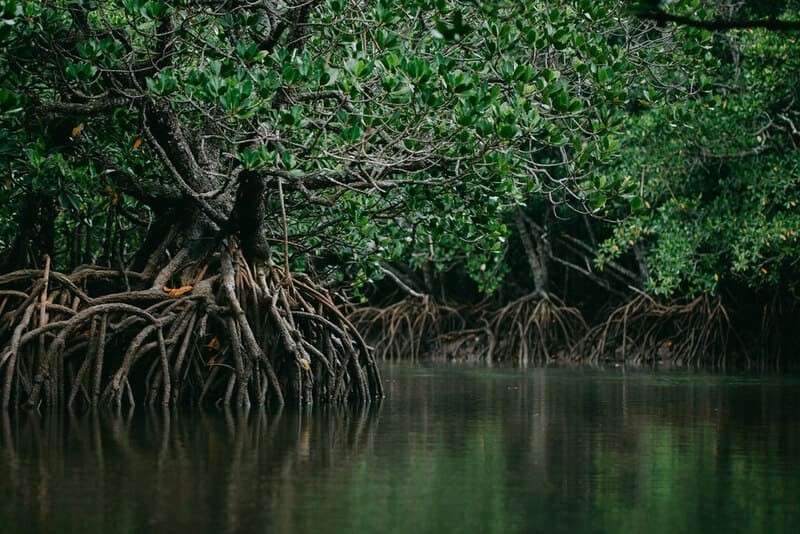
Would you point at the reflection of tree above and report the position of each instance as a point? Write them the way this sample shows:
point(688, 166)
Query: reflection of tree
point(655, 454)
point(151, 471)
point(466, 449)
point(558, 447)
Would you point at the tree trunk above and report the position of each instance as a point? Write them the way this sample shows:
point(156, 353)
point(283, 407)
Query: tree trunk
point(536, 245)
point(207, 316)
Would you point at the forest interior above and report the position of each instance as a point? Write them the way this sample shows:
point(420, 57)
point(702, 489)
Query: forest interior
point(247, 202)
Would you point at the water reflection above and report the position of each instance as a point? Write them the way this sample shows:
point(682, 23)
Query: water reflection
point(101, 472)
point(451, 450)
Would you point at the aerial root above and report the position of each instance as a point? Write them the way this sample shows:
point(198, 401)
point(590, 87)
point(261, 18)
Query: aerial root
point(226, 331)
point(408, 328)
point(532, 329)
point(645, 330)
point(536, 329)
point(540, 329)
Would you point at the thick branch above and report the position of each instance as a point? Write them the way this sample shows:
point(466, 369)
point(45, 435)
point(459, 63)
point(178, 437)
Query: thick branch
point(95, 105)
point(722, 24)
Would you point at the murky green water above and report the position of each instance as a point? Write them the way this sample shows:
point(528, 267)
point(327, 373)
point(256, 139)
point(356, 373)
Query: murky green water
point(450, 450)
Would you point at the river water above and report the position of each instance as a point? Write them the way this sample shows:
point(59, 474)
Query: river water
point(449, 450)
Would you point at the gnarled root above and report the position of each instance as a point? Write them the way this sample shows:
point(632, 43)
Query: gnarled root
point(223, 331)
point(645, 330)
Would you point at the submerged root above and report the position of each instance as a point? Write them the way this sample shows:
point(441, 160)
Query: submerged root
point(224, 331)
point(645, 330)
point(535, 329)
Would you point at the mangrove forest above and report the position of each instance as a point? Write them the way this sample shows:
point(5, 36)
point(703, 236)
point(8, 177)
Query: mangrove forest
point(246, 202)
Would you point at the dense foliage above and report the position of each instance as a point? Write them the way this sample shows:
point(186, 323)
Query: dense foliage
point(392, 126)
point(543, 152)
point(720, 171)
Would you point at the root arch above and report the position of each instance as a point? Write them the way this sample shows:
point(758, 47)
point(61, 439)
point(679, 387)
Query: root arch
point(645, 330)
point(219, 330)
point(408, 328)
point(536, 329)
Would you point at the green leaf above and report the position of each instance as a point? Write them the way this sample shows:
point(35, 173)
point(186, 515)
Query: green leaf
point(597, 201)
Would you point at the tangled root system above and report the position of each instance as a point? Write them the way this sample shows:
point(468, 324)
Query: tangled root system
point(536, 329)
point(408, 328)
point(532, 329)
point(218, 329)
point(645, 330)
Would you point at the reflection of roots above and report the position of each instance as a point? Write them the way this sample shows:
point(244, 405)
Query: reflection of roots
point(228, 330)
point(285, 447)
point(645, 330)
point(407, 328)
point(536, 330)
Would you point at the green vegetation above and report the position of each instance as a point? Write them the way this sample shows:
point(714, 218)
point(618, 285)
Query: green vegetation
point(183, 180)
point(685, 248)
point(720, 173)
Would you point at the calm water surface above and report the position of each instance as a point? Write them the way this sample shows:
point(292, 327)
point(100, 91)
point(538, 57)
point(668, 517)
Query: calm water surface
point(449, 450)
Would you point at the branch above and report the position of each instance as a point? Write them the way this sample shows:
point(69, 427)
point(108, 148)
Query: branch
point(591, 276)
point(566, 239)
point(405, 287)
point(721, 25)
point(184, 187)
point(93, 106)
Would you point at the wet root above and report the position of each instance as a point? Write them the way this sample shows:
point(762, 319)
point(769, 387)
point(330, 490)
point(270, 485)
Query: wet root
point(217, 330)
